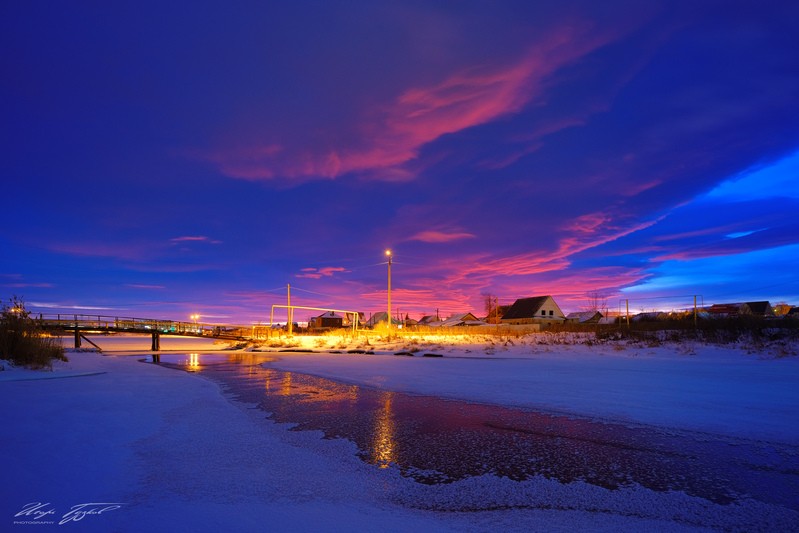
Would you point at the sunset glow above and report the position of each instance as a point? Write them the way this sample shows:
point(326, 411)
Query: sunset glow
point(159, 163)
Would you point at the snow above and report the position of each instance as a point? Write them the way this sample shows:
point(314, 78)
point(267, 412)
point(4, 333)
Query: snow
point(722, 390)
point(176, 454)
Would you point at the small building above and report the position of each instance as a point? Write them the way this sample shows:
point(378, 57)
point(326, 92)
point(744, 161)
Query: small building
point(584, 317)
point(427, 320)
point(349, 317)
point(534, 310)
point(741, 309)
point(761, 308)
point(327, 320)
point(460, 319)
point(379, 317)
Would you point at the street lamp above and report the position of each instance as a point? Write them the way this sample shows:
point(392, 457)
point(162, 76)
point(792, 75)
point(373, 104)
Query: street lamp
point(195, 317)
point(388, 315)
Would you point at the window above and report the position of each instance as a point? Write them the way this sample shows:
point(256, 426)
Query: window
point(543, 312)
point(550, 313)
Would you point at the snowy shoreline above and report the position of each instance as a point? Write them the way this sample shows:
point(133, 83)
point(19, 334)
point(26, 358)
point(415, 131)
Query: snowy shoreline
point(176, 452)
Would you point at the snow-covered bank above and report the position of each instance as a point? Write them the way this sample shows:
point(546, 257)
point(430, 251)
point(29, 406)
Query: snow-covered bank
point(698, 387)
point(175, 454)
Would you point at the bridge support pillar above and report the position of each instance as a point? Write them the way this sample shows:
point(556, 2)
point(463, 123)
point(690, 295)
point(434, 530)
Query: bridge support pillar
point(77, 337)
point(156, 342)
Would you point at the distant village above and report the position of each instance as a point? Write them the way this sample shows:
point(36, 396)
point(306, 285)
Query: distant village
point(543, 312)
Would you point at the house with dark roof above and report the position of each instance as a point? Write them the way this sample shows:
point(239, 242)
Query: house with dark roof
point(535, 310)
point(760, 308)
point(327, 320)
point(742, 308)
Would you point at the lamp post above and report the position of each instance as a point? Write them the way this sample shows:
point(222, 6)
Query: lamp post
point(388, 314)
point(195, 317)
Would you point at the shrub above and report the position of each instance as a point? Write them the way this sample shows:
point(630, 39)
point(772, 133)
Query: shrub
point(23, 340)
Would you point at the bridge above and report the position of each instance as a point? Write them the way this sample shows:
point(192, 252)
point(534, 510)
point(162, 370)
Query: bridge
point(82, 325)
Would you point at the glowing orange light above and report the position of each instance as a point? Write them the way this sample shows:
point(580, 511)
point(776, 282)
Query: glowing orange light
point(384, 445)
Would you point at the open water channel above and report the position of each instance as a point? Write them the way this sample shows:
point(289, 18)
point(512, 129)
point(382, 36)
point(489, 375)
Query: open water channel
point(434, 440)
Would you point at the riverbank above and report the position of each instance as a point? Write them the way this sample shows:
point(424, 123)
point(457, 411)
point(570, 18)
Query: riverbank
point(173, 452)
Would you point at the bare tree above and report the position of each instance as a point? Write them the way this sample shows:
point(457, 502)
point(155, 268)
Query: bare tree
point(490, 307)
point(597, 301)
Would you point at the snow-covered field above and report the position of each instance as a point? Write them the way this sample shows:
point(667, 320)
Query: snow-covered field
point(164, 450)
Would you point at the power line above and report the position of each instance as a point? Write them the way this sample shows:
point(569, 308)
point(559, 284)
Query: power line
point(313, 292)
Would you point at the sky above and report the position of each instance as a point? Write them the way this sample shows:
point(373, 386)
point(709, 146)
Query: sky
point(168, 159)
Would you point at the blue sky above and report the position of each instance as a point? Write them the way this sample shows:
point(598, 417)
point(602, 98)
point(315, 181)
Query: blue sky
point(166, 160)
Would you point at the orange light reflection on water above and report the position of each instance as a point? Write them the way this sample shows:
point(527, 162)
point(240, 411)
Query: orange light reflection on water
point(384, 444)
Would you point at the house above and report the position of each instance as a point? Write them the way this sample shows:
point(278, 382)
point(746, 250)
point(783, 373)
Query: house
point(725, 310)
point(584, 317)
point(460, 319)
point(793, 312)
point(379, 317)
point(535, 310)
point(327, 320)
point(428, 319)
point(349, 317)
point(762, 308)
point(650, 316)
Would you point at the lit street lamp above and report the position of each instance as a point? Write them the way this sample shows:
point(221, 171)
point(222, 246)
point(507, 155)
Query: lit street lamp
point(195, 317)
point(388, 315)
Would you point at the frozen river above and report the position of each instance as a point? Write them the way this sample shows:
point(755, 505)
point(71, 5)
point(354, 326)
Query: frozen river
point(438, 441)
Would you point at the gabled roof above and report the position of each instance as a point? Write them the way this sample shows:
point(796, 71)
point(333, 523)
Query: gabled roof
point(380, 316)
point(463, 316)
point(526, 307)
point(461, 319)
point(329, 314)
point(755, 308)
point(584, 316)
point(733, 308)
point(760, 308)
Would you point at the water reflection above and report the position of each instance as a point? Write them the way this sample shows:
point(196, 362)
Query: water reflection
point(439, 441)
point(285, 385)
point(384, 444)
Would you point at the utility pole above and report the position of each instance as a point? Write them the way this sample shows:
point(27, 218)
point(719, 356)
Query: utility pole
point(388, 308)
point(288, 309)
point(627, 303)
point(695, 321)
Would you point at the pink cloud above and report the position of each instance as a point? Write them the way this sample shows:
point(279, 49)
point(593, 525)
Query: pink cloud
point(317, 273)
point(194, 238)
point(432, 236)
point(389, 135)
point(581, 234)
